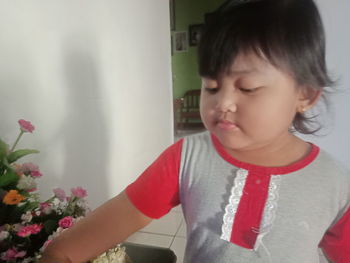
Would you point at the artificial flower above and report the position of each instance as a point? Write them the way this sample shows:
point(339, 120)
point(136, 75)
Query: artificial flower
point(47, 242)
point(13, 198)
point(36, 174)
point(27, 217)
point(46, 208)
point(79, 192)
point(66, 222)
point(12, 254)
point(4, 235)
point(29, 230)
point(60, 194)
point(26, 183)
point(26, 126)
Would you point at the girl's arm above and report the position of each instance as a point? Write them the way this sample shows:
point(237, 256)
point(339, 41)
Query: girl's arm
point(336, 241)
point(102, 229)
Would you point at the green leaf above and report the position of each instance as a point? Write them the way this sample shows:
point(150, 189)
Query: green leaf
point(8, 178)
point(29, 206)
point(7, 167)
point(50, 226)
point(3, 149)
point(14, 156)
point(3, 152)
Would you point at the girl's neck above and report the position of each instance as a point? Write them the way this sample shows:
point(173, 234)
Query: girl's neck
point(281, 152)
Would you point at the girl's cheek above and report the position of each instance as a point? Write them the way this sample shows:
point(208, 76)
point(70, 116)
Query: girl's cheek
point(206, 106)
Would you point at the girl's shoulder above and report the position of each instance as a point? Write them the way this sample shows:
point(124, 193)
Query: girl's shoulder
point(327, 164)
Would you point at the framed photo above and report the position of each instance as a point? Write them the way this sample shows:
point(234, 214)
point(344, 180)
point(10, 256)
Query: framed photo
point(180, 41)
point(172, 15)
point(195, 33)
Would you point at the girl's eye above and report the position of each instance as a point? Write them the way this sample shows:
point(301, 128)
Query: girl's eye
point(248, 90)
point(211, 90)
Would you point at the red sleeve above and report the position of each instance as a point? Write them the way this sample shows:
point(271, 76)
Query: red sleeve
point(156, 190)
point(336, 241)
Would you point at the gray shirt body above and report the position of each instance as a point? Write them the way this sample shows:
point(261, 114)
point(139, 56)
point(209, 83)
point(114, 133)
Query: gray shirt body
point(306, 203)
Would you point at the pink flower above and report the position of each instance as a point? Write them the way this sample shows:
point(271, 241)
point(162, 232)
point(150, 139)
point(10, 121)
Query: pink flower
point(36, 228)
point(12, 253)
point(29, 230)
point(45, 208)
point(18, 169)
point(28, 168)
point(66, 222)
point(36, 174)
point(60, 193)
point(47, 242)
point(26, 126)
point(24, 232)
point(79, 192)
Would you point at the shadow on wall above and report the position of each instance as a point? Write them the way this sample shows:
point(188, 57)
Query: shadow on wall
point(84, 129)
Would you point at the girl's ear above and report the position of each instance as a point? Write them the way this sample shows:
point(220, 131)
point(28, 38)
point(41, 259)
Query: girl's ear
point(308, 98)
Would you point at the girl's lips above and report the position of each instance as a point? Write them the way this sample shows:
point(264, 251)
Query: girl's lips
point(226, 125)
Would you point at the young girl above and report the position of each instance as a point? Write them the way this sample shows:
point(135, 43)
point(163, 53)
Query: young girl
point(250, 189)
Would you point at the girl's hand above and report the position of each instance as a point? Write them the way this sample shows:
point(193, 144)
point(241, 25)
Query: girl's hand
point(49, 258)
point(105, 227)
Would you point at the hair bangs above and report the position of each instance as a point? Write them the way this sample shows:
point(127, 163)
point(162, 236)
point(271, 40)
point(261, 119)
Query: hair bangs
point(245, 29)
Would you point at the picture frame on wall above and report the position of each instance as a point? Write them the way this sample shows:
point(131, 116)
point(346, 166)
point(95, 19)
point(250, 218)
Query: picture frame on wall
point(172, 15)
point(180, 41)
point(195, 33)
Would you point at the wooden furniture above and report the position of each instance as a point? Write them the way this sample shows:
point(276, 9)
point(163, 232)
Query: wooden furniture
point(186, 110)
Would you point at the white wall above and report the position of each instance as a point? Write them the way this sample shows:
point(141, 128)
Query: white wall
point(337, 20)
point(94, 77)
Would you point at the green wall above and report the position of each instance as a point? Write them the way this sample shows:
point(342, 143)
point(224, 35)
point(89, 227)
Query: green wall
point(184, 64)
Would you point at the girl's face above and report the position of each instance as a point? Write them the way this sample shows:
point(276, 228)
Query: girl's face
point(252, 106)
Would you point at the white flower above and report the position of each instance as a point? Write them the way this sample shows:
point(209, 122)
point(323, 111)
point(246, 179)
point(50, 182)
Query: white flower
point(4, 235)
point(55, 234)
point(27, 217)
point(113, 255)
point(28, 260)
point(26, 183)
point(83, 204)
point(59, 206)
point(47, 209)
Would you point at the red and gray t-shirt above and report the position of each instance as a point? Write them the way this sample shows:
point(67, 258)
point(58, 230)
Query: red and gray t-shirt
point(237, 212)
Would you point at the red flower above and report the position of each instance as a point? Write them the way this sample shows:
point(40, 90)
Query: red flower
point(12, 254)
point(79, 192)
point(36, 174)
point(66, 222)
point(26, 126)
point(29, 230)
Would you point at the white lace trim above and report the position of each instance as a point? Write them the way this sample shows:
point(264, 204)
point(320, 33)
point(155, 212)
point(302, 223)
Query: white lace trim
point(269, 210)
point(231, 208)
point(269, 213)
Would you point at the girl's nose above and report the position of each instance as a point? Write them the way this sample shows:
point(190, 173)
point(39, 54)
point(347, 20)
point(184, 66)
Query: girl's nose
point(227, 100)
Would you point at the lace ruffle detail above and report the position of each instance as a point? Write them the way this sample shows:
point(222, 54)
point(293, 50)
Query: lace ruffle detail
point(231, 208)
point(269, 210)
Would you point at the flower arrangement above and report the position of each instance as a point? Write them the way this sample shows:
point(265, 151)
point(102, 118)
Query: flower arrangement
point(27, 224)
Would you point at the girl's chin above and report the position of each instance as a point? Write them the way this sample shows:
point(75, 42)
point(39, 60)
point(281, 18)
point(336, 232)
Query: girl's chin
point(230, 141)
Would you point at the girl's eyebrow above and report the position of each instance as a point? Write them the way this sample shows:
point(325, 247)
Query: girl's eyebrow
point(242, 72)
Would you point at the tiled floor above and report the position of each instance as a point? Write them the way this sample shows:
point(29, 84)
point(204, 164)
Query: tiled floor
point(168, 232)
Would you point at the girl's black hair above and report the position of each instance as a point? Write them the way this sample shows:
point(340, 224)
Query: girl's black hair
point(289, 33)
